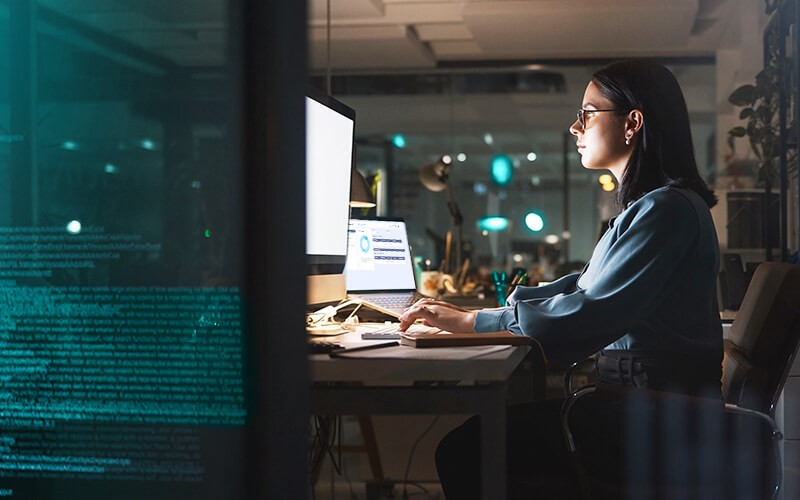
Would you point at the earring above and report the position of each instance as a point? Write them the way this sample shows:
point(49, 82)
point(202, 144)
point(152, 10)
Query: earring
point(628, 139)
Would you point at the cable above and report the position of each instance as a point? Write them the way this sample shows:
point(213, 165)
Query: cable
point(325, 316)
point(411, 456)
point(324, 441)
point(353, 495)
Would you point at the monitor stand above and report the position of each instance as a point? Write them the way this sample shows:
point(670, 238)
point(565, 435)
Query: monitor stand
point(325, 289)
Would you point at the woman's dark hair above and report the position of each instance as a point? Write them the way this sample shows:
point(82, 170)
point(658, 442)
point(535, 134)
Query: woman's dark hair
point(663, 155)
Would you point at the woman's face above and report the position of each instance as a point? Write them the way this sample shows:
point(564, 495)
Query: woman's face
point(601, 143)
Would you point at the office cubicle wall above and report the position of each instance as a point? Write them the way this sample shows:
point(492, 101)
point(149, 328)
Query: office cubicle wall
point(123, 238)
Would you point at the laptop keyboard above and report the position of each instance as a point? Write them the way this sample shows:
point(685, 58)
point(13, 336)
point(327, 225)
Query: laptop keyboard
point(392, 301)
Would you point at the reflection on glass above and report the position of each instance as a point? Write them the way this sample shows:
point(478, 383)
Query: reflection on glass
point(120, 272)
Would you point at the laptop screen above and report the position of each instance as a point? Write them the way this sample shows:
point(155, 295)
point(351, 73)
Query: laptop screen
point(378, 257)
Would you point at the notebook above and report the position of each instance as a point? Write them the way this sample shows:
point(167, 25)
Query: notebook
point(379, 269)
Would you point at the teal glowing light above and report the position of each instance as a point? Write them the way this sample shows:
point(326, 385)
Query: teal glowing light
point(399, 141)
point(493, 223)
point(70, 145)
point(534, 222)
point(502, 169)
point(74, 227)
point(148, 144)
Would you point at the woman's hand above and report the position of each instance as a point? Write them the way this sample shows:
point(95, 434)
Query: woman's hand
point(439, 314)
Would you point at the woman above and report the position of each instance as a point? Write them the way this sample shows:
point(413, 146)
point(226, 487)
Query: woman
point(647, 298)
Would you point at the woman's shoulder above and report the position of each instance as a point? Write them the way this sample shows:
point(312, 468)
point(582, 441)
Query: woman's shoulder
point(668, 207)
point(670, 199)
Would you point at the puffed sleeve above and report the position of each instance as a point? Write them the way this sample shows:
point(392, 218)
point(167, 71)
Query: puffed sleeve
point(489, 320)
point(561, 285)
point(627, 279)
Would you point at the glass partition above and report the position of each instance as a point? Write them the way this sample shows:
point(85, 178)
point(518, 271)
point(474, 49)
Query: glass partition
point(120, 268)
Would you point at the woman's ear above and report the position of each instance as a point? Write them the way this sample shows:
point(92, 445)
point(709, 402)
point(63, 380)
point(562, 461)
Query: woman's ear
point(634, 121)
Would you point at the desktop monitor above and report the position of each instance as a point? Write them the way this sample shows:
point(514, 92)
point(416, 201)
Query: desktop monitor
point(330, 128)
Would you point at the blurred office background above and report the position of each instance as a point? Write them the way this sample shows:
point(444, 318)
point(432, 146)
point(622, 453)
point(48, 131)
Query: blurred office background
point(496, 85)
point(124, 111)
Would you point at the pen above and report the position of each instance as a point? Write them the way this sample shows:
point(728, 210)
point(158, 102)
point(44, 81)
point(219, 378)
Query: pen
point(341, 352)
point(521, 278)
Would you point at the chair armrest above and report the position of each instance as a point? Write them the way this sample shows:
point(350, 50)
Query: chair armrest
point(565, 409)
point(568, 389)
point(738, 410)
point(775, 436)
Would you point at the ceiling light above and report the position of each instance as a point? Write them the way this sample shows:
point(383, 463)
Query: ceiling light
point(488, 139)
point(501, 170)
point(493, 223)
point(461, 157)
point(551, 239)
point(532, 156)
point(399, 141)
point(534, 222)
point(605, 179)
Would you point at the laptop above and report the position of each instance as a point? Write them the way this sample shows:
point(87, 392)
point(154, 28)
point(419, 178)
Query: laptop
point(379, 269)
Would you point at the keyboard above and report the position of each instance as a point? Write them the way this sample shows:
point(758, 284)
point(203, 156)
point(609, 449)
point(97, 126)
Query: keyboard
point(390, 331)
point(323, 347)
point(393, 301)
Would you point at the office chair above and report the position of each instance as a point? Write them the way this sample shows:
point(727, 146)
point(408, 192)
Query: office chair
point(666, 445)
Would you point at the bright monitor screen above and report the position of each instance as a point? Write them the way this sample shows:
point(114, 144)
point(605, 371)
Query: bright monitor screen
point(379, 257)
point(330, 127)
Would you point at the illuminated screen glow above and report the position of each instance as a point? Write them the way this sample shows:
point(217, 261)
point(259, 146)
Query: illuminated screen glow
point(329, 159)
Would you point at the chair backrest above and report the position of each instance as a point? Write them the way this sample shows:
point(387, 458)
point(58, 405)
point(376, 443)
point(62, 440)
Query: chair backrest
point(763, 339)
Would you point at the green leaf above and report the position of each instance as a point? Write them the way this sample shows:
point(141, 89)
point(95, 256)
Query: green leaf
point(730, 139)
point(763, 79)
point(746, 113)
point(754, 145)
point(743, 96)
point(737, 132)
point(764, 114)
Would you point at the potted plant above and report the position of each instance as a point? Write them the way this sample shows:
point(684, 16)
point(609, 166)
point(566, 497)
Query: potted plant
point(760, 103)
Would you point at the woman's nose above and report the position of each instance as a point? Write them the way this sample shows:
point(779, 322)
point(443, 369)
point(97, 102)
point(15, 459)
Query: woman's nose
point(575, 128)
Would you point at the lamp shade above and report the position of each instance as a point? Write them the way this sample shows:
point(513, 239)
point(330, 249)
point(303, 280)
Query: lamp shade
point(434, 176)
point(360, 193)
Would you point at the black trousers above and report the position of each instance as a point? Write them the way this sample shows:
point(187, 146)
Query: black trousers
point(538, 464)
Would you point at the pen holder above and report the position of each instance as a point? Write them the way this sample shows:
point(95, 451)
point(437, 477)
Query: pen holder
point(500, 287)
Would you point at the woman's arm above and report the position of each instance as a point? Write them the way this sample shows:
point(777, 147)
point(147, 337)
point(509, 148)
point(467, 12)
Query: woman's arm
point(629, 277)
point(561, 285)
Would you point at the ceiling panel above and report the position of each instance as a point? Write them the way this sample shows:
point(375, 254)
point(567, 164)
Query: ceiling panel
point(318, 9)
point(579, 28)
point(443, 31)
point(373, 47)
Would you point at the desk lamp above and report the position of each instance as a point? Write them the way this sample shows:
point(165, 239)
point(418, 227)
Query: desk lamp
point(435, 177)
point(360, 193)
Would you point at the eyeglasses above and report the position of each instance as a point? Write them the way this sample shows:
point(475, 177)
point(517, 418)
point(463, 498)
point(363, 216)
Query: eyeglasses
point(582, 114)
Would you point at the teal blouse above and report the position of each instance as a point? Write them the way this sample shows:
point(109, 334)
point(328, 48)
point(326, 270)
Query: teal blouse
point(650, 284)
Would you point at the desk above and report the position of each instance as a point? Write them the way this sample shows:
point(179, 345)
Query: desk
point(424, 386)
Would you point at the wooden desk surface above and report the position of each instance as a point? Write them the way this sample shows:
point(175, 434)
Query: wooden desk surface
point(431, 364)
